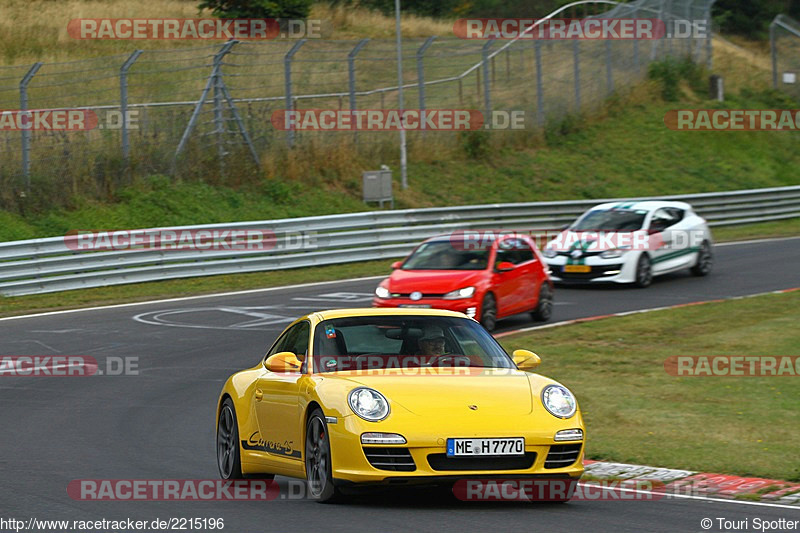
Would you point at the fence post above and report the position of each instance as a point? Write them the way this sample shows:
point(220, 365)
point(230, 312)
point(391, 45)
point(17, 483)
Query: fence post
point(123, 103)
point(609, 68)
point(709, 60)
point(577, 73)
point(421, 69)
point(773, 49)
point(539, 88)
point(26, 133)
point(212, 79)
point(487, 97)
point(287, 73)
point(351, 71)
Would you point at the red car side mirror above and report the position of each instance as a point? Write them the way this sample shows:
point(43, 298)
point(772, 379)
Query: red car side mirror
point(504, 266)
point(396, 265)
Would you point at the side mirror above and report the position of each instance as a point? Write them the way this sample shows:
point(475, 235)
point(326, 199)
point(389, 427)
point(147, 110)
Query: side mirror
point(283, 362)
point(525, 359)
point(396, 265)
point(504, 266)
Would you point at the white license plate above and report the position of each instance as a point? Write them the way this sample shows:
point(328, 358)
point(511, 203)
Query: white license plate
point(416, 306)
point(472, 447)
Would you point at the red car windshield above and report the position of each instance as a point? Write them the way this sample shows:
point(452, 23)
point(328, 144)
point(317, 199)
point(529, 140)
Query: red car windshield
point(442, 255)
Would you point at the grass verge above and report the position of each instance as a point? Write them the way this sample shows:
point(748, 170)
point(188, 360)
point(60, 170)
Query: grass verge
point(636, 413)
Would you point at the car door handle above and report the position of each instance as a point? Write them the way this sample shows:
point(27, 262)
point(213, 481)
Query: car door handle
point(259, 395)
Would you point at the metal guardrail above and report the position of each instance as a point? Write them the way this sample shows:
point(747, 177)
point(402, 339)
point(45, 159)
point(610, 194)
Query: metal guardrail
point(50, 265)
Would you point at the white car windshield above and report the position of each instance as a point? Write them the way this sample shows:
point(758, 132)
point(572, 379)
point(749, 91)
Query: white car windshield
point(610, 220)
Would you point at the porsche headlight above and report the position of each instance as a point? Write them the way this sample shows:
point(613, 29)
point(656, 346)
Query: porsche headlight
point(549, 252)
point(382, 292)
point(466, 292)
point(369, 404)
point(559, 401)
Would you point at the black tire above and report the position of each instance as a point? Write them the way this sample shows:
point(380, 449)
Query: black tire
point(318, 460)
point(229, 459)
point(544, 307)
point(489, 312)
point(644, 272)
point(705, 260)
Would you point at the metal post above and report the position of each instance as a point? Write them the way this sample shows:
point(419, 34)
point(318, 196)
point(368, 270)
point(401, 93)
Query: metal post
point(26, 133)
point(211, 80)
point(403, 154)
point(774, 53)
point(240, 123)
point(487, 96)
point(609, 68)
point(539, 88)
point(219, 123)
point(709, 61)
point(351, 71)
point(421, 70)
point(287, 73)
point(577, 73)
point(123, 102)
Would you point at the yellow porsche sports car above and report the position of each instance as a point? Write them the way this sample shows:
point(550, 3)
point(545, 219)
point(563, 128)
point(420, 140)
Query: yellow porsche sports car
point(352, 397)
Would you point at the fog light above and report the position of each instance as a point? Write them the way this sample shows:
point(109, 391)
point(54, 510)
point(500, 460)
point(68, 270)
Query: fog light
point(382, 438)
point(569, 434)
point(470, 311)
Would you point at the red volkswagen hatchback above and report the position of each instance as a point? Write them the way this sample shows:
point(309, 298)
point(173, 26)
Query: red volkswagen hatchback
point(487, 280)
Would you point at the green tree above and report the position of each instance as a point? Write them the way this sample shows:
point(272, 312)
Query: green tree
point(231, 9)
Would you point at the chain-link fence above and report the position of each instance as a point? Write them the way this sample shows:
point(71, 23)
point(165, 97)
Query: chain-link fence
point(784, 37)
point(205, 111)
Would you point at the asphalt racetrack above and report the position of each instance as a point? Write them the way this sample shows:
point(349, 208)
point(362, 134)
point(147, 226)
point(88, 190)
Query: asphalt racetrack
point(159, 424)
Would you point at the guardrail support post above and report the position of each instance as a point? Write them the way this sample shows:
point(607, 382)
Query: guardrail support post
point(123, 104)
point(26, 133)
point(287, 74)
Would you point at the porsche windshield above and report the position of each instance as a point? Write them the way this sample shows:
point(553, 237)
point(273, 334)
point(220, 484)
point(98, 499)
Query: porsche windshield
point(381, 342)
point(442, 255)
point(610, 220)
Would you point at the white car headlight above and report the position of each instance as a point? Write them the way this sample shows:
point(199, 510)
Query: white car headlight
point(559, 401)
point(369, 404)
point(614, 253)
point(382, 292)
point(549, 253)
point(466, 292)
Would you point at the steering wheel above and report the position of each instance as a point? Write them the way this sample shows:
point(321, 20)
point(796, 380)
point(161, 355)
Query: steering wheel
point(436, 358)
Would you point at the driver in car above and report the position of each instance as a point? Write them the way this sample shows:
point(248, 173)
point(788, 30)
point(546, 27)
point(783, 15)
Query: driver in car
point(432, 341)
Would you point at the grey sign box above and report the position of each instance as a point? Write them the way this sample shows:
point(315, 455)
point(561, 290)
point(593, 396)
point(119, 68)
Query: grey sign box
point(377, 186)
